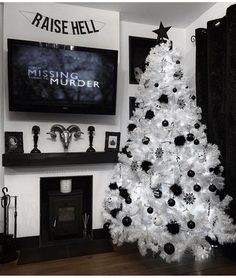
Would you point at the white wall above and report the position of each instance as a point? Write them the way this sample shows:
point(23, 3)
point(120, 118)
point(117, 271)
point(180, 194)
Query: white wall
point(24, 182)
point(138, 30)
point(1, 108)
point(216, 11)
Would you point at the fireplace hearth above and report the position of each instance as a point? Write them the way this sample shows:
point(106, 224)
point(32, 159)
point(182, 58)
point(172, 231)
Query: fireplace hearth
point(63, 215)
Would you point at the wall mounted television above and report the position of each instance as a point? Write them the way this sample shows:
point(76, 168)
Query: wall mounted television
point(55, 78)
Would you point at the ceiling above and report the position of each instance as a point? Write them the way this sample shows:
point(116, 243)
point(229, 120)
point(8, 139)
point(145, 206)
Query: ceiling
point(176, 14)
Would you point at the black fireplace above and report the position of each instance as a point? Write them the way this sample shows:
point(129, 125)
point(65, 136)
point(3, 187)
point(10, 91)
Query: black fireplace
point(65, 215)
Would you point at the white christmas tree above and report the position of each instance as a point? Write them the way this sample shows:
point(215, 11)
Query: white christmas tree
point(166, 189)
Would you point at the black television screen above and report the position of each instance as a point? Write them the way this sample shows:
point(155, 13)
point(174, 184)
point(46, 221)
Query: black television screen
point(46, 77)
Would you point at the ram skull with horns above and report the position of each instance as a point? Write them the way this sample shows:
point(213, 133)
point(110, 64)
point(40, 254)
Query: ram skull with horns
point(65, 133)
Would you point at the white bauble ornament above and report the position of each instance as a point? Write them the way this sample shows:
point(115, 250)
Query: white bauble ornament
point(157, 220)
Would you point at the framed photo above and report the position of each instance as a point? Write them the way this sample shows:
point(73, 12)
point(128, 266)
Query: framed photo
point(139, 49)
point(112, 141)
point(14, 142)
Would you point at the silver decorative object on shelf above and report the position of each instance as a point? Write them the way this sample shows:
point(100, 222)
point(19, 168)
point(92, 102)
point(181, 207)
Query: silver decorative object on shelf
point(65, 133)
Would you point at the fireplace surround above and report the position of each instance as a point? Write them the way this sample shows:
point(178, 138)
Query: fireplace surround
point(63, 215)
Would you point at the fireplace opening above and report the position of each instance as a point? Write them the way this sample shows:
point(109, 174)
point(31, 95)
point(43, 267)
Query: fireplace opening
point(65, 209)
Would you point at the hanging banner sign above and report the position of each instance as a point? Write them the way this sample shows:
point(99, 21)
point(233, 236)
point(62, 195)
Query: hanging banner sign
point(80, 27)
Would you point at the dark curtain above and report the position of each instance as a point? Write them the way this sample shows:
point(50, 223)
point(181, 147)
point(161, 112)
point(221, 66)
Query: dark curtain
point(216, 90)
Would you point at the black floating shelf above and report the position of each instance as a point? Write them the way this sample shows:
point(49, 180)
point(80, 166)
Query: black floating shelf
point(46, 159)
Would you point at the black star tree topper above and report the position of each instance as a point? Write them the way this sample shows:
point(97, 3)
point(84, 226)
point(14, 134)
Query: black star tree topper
point(161, 33)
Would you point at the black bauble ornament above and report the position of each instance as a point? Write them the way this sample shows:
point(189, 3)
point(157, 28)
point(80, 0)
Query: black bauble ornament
point(212, 188)
point(190, 137)
point(179, 140)
point(169, 248)
point(165, 123)
point(150, 210)
point(131, 127)
point(163, 98)
point(191, 173)
point(211, 169)
point(114, 212)
point(126, 221)
point(145, 140)
point(176, 189)
point(196, 187)
point(173, 227)
point(177, 62)
point(156, 85)
point(123, 192)
point(191, 224)
point(171, 202)
point(216, 170)
point(149, 115)
point(106, 226)
point(157, 193)
point(174, 90)
point(128, 200)
point(113, 186)
point(197, 125)
point(146, 165)
point(193, 97)
point(196, 142)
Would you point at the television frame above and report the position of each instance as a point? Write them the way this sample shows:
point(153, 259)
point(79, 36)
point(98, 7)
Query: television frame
point(80, 108)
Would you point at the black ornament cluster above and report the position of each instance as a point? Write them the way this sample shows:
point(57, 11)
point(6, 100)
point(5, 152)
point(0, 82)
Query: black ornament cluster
point(131, 127)
point(179, 140)
point(123, 192)
point(176, 189)
point(146, 165)
point(163, 98)
point(149, 115)
point(173, 227)
point(128, 153)
point(113, 186)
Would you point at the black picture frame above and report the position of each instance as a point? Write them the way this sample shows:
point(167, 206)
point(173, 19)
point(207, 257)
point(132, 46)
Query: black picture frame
point(131, 106)
point(13, 142)
point(112, 141)
point(139, 49)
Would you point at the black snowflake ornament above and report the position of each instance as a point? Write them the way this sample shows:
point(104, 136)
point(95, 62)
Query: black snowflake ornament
point(181, 103)
point(178, 74)
point(159, 152)
point(189, 198)
point(134, 166)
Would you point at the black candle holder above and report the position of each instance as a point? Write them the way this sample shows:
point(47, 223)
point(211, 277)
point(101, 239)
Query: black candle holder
point(35, 131)
point(91, 130)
